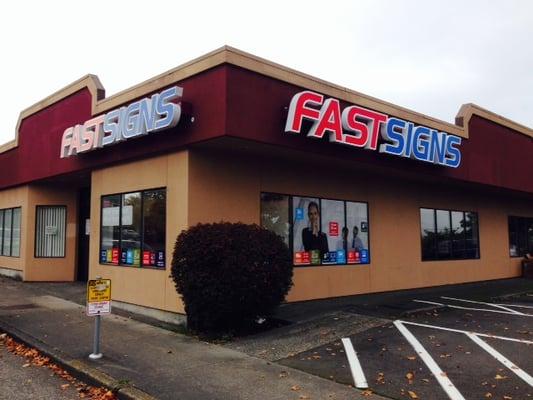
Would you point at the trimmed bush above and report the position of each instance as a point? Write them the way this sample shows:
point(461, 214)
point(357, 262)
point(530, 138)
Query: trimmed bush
point(229, 274)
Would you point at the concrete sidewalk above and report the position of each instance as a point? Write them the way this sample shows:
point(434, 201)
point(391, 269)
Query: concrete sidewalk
point(148, 361)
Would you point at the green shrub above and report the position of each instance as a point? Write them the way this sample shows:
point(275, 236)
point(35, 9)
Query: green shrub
point(229, 274)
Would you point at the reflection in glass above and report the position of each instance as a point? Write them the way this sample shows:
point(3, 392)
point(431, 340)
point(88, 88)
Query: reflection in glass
point(15, 243)
point(458, 234)
point(131, 223)
point(427, 222)
point(275, 214)
point(471, 235)
point(154, 217)
point(6, 248)
point(110, 233)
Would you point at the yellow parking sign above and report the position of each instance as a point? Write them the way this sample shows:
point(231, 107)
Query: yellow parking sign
point(98, 296)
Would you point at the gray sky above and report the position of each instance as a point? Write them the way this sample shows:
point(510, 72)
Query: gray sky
point(429, 56)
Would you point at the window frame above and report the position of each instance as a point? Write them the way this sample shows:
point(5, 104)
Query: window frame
point(121, 194)
point(37, 207)
point(2, 236)
point(450, 211)
point(291, 226)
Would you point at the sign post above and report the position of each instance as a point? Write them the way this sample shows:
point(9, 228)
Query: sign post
point(98, 303)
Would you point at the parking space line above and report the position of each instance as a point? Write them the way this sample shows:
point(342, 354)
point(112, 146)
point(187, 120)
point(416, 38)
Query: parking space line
point(355, 366)
point(484, 303)
point(517, 305)
point(443, 328)
point(450, 389)
point(501, 358)
point(473, 309)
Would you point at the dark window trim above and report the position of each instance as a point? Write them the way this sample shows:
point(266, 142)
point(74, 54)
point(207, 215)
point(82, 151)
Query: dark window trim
point(65, 230)
point(120, 265)
point(291, 215)
point(449, 210)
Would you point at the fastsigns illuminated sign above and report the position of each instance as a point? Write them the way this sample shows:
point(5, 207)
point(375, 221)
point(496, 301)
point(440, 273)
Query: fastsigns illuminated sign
point(359, 127)
point(151, 114)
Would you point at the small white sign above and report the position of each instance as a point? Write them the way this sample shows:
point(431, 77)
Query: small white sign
point(110, 216)
point(99, 308)
point(50, 230)
point(87, 227)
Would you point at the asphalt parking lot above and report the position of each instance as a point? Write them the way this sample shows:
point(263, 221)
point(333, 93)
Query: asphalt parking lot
point(463, 349)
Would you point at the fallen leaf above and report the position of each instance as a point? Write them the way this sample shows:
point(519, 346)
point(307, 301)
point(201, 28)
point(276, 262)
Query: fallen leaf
point(488, 395)
point(366, 392)
point(425, 380)
point(295, 388)
point(411, 358)
point(410, 377)
point(66, 385)
point(507, 398)
point(26, 365)
point(499, 377)
point(412, 394)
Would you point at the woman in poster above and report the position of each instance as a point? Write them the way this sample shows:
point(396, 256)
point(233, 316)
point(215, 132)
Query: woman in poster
point(312, 237)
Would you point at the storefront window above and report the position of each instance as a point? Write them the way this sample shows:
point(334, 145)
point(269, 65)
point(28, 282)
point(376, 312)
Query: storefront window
point(131, 225)
point(520, 236)
point(133, 229)
point(275, 214)
point(449, 235)
point(10, 232)
point(110, 230)
point(320, 231)
point(154, 217)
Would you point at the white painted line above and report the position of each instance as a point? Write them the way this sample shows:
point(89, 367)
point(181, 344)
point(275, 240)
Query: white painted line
point(355, 366)
point(516, 305)
point(484, 303)
point(473, 309)
point(501, 358)
point(443, 328)
point(439, 374)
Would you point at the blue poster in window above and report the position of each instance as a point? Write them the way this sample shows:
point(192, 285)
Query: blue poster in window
point(341, 257)
point(329, 258)
point(364, 256)
point(298, 214)
point(123, 256)
point(129, 257)
point(160, 262)
point(103, 256)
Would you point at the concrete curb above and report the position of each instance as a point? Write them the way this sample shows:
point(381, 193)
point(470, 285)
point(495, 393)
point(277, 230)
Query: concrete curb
point(80, 369)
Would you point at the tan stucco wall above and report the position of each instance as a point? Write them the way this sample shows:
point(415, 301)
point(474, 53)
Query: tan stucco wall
point(146, 287)
point(228, 187)
point(51, 269)
point(16, 197)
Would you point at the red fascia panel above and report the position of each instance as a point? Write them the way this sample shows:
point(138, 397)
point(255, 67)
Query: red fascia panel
point(37, 155)
point(493, 155)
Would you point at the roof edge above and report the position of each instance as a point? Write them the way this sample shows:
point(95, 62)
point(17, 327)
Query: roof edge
point(230, 55)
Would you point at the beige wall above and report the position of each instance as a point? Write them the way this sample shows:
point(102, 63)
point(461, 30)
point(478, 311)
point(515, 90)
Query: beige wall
point(16, 197)
point(51, 269)
point(142, 286)
point(227, 188)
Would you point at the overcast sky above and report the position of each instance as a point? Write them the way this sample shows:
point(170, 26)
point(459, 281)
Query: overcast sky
point(429, 56)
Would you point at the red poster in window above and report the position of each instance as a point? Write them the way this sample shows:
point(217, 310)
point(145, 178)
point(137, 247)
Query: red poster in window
point(302, 258)
point(114, 255)
point(146, 258)
point(354, 257)
point(333, 228)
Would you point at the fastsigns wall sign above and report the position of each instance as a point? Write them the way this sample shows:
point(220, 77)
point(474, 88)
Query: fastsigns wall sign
point(359, 127)
point(151, 114)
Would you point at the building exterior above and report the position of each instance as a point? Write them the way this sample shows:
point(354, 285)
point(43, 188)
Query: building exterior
point(369, 196)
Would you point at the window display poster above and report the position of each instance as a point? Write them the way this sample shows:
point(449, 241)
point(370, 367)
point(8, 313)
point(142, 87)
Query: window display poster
point(357, 224)
point(309, 242)
point(333, 217)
